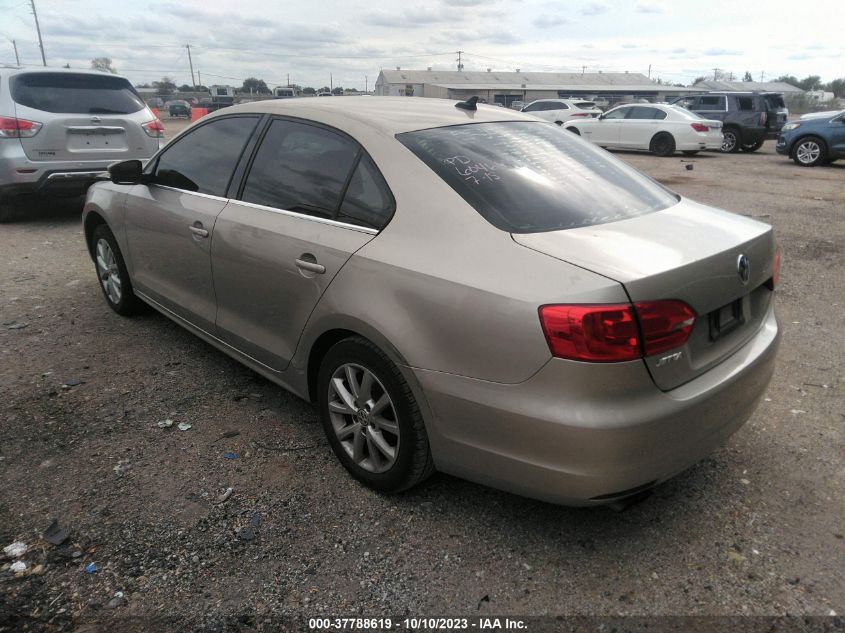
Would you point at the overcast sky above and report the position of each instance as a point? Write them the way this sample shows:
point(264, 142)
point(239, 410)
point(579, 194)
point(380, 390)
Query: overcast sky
point(681, 39)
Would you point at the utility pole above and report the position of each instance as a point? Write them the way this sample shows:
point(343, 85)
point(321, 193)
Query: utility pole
point(199, 77)
point(460, 64)
point(649, 71)
point(191, 64)
point(38, 28)
point(365, 84)
point(583, 68)
point(762, 74)
point(331, 83)
point(17, 59)
point(288, 83)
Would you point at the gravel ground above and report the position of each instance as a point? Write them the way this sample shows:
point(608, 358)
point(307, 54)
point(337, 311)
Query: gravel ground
point(756, 529)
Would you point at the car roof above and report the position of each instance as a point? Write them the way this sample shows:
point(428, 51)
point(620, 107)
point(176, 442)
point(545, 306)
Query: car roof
point(388, 115)
point(16, 70)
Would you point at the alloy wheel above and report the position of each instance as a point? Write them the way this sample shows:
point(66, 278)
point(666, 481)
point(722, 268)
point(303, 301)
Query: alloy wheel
point(808, 152)
point(728, 141)
point(108, 272)
point(363, 418)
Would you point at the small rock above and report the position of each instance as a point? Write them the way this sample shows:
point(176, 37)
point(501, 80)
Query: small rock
point(18, 567)
point(16, 549)
point(246, 534)
point(165, 424)
point(114, 603)
point(735, 557)
point(797, 411)
point(744, 482)
point(183, 426)
point(73, 382)
point(225, 496)
point(794, 581)
point(121, 467)
point(54, 534)
point(18, 326)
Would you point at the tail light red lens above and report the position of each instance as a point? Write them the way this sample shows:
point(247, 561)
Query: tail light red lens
point(154, 128)
point(665, 324)
point(698, 127)
point(575, 114)
point(11, 127)
point(596, 333)
point(615, 333)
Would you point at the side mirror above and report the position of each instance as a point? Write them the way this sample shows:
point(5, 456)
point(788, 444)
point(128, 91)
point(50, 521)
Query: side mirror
point(601, 116)
point(126, 172)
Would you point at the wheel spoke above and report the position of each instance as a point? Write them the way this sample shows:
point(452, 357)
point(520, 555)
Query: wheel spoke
point(358, 445)
point(353, 382)
point(379, 406)
point(340, 389)
point(375, 438)
point(386, 425)
point(346, 431)
point(101, 263)
point(366, 388)
point(338, 406)
point(373, 451)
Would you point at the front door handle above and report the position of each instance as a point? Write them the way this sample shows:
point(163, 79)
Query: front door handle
point(310, 266)
point(199, 231)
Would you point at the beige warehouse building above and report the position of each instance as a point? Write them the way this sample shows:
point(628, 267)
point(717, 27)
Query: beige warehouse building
point(507, 87)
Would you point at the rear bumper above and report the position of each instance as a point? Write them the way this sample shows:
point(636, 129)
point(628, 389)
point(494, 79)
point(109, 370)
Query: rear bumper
point(585, 434)
point(703, 143)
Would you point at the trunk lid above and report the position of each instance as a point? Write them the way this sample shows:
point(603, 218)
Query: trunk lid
point(688, 252)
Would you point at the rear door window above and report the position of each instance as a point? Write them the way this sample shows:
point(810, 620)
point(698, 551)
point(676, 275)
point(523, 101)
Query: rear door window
point(302, 168)
point(642, 112)
point(711, 103)
point(745, 104)
point(526, 177)
point(775, 101)
point(204, 159)
point(367, 201)
point(72, 93)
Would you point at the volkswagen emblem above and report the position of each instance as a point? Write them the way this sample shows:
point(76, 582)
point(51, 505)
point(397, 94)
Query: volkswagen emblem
point(743, 268)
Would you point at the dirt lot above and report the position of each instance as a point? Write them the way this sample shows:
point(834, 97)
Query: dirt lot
point(756, 529)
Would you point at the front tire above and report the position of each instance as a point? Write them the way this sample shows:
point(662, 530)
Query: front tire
point(112, 274)
point(809, 152)
point(662, 144)
point(371, 419)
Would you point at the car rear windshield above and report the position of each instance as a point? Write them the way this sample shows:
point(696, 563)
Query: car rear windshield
point(585, 104)
point(526, 177)
point(71, 93)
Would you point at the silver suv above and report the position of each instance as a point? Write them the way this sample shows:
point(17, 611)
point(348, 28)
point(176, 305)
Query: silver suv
point(61, 129)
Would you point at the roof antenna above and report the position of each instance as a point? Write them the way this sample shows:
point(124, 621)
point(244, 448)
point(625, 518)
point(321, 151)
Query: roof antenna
point(469, 104)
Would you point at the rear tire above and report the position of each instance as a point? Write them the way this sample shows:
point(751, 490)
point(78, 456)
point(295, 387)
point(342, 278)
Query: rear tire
point(752, 147)
point(663, 144)
point(574, 130)
point(731, 140)
point(809, 151)
point(371, 419)
point(112, 275)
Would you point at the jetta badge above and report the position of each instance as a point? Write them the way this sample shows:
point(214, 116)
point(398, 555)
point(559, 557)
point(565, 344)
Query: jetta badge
point(743, 268)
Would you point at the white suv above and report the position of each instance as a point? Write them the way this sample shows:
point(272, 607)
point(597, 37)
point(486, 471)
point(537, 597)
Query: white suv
point(561, 110)
point(61, 129)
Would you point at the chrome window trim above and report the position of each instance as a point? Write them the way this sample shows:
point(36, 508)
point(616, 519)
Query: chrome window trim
point(312, 218)
point(190, 193)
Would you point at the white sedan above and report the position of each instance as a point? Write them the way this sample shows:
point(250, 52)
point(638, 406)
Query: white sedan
point(660, 129)
point(561, 110)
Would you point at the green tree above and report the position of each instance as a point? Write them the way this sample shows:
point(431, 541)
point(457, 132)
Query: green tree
point(325, 89)
point(308, 90)
point(338, 90)
point(812, 82)
point(104, 64)
point(748, 76)
point(252, 84)
point(165, 87)
point(186, 88)
point(837, 87)
point(698, 80)
point(789, 79)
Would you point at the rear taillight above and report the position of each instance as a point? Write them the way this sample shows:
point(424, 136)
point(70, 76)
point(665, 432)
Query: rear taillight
point(665, 324)
point(698, 127)
point(574, 114)
point(154, 128)
point(11, 127)
point(596, 333)
point(764, 116)
point(614, 333)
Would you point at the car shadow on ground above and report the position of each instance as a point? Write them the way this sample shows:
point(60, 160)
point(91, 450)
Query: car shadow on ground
point(64, 210)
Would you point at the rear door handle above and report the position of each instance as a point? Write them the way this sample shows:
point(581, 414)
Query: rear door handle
point(198, 230)
point(311, 267)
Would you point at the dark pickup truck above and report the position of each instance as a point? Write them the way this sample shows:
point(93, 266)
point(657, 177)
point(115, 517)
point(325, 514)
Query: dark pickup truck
point(748, 118)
